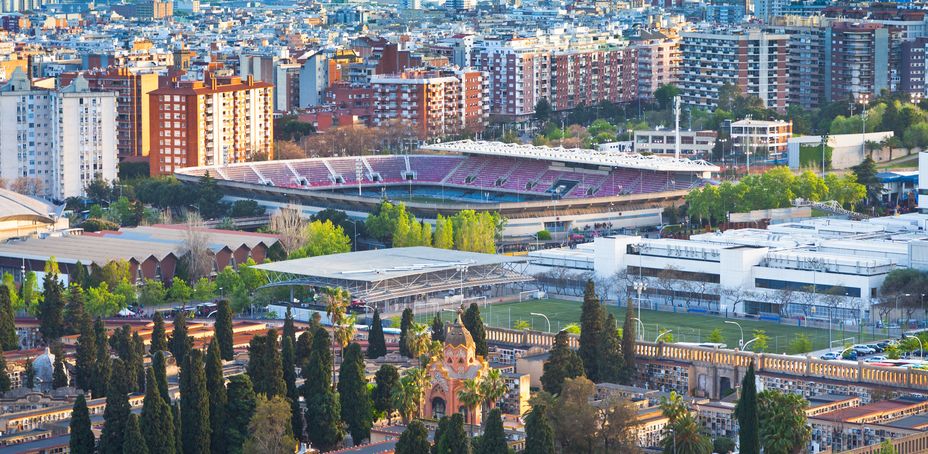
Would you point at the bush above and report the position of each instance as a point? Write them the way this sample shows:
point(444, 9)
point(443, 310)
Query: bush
point(96, 225)
point(543, 235)
point(810, 156)
point(723, 445)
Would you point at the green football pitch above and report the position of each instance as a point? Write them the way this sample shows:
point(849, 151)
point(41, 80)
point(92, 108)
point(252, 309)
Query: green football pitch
point(685, 327)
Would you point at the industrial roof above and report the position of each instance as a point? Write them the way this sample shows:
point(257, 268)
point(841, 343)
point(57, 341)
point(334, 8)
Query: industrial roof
point(575, 156)
point(15, 206)
point(382, 264)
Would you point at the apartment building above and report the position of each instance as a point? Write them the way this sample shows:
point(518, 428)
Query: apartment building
point(55, 142)
point(763, 139)
point(857, 60)
point(278, 70)
point(752, 60)
point(434, 103)
point(220, 120)
point(806, 58)
point(912, 67)
point(663, 142)
point(133, 137)
point(658, 60)
point(567, 70)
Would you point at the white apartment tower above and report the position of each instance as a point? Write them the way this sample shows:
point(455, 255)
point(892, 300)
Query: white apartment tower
point(55, 142)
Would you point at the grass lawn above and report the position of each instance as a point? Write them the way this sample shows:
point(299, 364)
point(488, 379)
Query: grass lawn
point(686, 327)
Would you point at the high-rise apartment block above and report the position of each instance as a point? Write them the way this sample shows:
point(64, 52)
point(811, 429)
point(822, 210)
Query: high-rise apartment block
point(133, 138)
point(221, 120)
point(566, 70)
point(752, 60)
point(857, 60)
point(56, 141)
point(658, 60)
point(806, 58)
point(434, 103)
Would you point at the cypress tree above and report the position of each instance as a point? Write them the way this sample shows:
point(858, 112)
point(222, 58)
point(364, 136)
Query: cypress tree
point(101, 377)
point(304, 345)
point(405, 325)
point(29, 375)
point(376, 344)
point(287, 360)
point(257, 363)
point(539, 433)
point(81, 277)
point(74, 310)
point(138, 365)
point(135, 443)
point(628, 344)
point(158, 340)
point(474, 324)
point(612, 363)
point(85, 358)
point(353, 394)
point(440, 432)
point(289, 329)
point(82, 439)
point(194, 406)
point(592, 318)
point(8, 338)
point(746, 412)
point(240, 407)
point(116, 413)
point(323, 411)
point(438, 328)
point(5, 382)
point(157, 419)
point(216, 384)
point(297, 423)
point(387, 379)
point(180, 343)
point(275, 385)
point(454, 439)
point(178, 428)
point(122, 343)
point(414, 440)
point(223, 329)
point(317, 372)
point(59, 377)
point(562, 363)
point(51, 308)
point(159, 369)
point(493, 440)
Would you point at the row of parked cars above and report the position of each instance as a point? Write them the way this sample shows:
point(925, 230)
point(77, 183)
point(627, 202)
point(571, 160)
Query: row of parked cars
point(861, 350)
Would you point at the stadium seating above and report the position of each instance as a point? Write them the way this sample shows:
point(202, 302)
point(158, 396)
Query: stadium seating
point(314, 171)
point(433, 168)
point(347, 168)
point(390, 168)
point(277, 173)
point(242, 173)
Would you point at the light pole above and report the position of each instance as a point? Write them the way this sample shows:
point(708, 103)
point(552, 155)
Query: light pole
point(897, 306)
point(640, 328)
point(748, 343)
point(740, 341)
point(863, 99)
point(640, 286)
point(545, 317)
point(354, 243)
point(659, 336)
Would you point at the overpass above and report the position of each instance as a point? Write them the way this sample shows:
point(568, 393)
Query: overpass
point(711, 372)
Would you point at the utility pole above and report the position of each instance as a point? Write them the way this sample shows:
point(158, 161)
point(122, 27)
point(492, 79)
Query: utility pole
point(676, 130)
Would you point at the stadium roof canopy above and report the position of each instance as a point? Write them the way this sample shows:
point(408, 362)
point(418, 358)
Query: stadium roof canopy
point(386, 274)
point(575, 156)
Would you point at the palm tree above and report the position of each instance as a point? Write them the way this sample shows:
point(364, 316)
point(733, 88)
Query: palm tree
point(407, 397)
point(470, 395)
point(423, 346)
point(683, 437)
point(673, 407)
point(342, 322)
point(492, 389)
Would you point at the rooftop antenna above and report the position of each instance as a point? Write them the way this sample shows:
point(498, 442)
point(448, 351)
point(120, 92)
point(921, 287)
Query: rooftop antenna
point(676, 130)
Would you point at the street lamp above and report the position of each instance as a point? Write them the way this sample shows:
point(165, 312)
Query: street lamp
point(659, 336)
point(740, 341)
point(354, 243)
point(545, 317)
point(863, 99)
point(748, 343)
point(640, 335)
point(640, 286)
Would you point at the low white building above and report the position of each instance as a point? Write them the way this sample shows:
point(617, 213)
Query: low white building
point(761, 138)
point(663, 142)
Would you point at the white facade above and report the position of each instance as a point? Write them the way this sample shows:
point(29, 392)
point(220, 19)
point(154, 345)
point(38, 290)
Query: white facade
point(923, 182)
point(63, 139)
point(314, 79)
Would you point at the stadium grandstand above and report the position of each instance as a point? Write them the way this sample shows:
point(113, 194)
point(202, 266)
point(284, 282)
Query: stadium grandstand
point(538, 187)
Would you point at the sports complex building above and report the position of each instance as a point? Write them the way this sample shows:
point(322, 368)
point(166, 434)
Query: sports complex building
point(534, 187)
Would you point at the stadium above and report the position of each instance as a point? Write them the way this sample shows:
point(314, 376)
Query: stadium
point(534, 187)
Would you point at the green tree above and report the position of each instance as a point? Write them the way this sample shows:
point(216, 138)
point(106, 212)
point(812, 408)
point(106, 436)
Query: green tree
point(134, 443)
point(74, 313)
point(8, 338)
point(760, 345)
point(5, 382)
point(723, 445)
point(157, 420)
point(51, 307)
point(454, 439)
point(158, 339)
point(386, 380)
point(240, 408)
point(82, 440)
point(542, 110)
point(116, 413)
point(223, 328)
point(29, 296)
point(800, 344)
point(269, 428)
point(194, 406)
point(322, 238)
point(746, 413)
point(152, 293)
point(289, 329)
point(59, 377)
point(28, 377)
point(563, 363)
point(405, 336)
point(288, 364)
point(539, 434)
point(159, 368)
point(592, 318)
point(716, 337)
point(376, 344)
point(180, 291)
point(886, 447)
point(673, 407)
point(438, 328)
point(353, 394)
point(866, 175)
point(180, 343)
point(103, 369)
point(216, 384)
point(209, 203)
point(629, 331)
point(85, 357)
point(474, 324)
point(685, 438)
point(665, 94)
point(443, 238)
point(493, 440)
point(414, 440)
point(323, 410)
point(782, 421)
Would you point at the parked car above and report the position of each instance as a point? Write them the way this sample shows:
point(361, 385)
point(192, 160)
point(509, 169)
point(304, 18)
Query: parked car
point(863, 349)
point(850, 355)
point(875, 359)
point(830, 356)
point(876, 347)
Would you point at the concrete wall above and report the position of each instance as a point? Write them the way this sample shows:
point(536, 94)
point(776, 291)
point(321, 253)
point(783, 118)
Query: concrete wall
point(848, 150)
